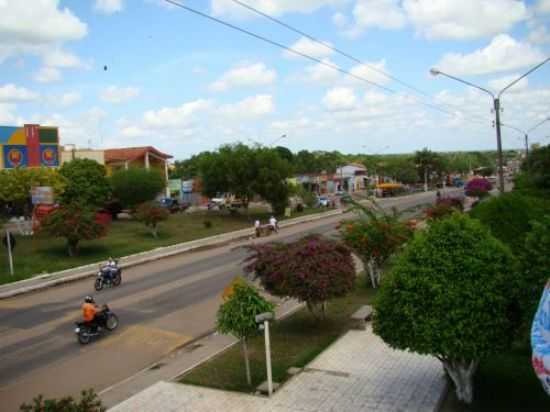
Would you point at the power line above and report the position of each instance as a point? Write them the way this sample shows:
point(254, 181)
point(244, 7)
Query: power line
point(298, 53)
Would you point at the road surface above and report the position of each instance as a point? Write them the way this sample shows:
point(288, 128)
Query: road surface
point(162, 305)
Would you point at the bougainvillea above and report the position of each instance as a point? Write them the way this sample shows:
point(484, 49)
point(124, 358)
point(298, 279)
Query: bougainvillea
point(151, 215)
point(478, 187)
point(313, 269)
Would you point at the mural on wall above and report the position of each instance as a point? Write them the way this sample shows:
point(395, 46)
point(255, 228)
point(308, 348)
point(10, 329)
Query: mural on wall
point(29, 146)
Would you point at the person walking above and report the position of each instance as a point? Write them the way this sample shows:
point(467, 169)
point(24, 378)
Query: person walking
point(257, 226)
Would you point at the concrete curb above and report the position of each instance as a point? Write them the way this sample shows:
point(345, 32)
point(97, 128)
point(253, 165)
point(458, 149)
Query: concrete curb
point(81, 272)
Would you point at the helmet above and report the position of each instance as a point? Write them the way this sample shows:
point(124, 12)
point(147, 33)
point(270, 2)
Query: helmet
point(89, 299)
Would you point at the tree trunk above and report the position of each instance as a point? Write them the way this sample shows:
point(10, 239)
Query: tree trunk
point(246, 362)
point(371, 268)
point(154, 231)
point(462, 374)
point(72, 247)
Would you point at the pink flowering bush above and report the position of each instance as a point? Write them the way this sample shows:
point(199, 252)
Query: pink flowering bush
point(313, 269)
point(478, 187)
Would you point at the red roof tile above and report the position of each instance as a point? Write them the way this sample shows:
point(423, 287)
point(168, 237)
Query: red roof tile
point(132, 153)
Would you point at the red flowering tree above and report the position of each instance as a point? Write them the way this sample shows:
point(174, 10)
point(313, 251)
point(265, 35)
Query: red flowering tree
point(313, 269)
point(151, 215)
point(74, 223)
point(478, 187)
point(375, 236)
point(443, 207)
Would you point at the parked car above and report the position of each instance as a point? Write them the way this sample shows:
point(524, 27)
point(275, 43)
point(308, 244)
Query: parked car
point(323, 201)
point(173, 205)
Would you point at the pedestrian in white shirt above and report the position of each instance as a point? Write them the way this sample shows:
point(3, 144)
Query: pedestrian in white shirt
point(257, 228)
point(273, 223)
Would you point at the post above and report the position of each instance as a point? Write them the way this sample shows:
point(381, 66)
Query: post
point(527, 151)
point(425, 178)
point(268, 358)
point(496, 102)
point(8, 237)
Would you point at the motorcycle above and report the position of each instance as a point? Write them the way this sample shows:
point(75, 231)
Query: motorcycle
point(107, 322)
point(109, 275)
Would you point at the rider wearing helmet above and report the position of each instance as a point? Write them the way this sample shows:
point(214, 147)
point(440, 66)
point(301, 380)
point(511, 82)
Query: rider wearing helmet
point(90, 311)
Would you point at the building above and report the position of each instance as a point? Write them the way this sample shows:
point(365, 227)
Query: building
point(354, 177)
point(31, 145)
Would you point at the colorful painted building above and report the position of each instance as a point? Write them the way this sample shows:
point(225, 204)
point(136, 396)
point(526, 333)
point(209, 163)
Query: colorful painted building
point(29, 146)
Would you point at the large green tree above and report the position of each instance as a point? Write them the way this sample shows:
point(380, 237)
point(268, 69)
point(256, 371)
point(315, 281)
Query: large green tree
point(87, 183)
point(135, 186)
point(429, 163)
point(535, 176)
point(449, 294)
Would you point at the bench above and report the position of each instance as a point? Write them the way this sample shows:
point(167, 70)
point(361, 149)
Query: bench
point(361, 316)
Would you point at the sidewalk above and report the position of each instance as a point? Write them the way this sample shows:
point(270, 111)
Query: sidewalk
point(359, 372)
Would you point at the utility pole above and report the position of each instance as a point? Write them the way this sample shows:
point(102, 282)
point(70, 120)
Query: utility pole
point(496, 102)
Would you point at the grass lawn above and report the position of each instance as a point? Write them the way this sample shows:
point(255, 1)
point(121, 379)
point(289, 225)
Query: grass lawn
point(37, 254)
point(504, 383)
point(295, 341)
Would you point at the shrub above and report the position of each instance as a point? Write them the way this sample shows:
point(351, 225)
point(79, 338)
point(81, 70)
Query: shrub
point(375, 237)
point(237, 315)
point(313, 269)
point(444, 207)
point(73, 222)
point(86, 183)
point(135, 186)
point(478, 187)
point(207, 224)
point(151, 215)
point(299, 208)
point(89, 402)
point(509, 217)
point(449, 295)
point(535, 178)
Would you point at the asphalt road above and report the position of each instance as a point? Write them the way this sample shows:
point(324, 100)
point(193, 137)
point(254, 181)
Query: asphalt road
point(161, 306)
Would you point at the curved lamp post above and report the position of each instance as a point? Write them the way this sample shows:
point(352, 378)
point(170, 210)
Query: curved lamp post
point(496, 106)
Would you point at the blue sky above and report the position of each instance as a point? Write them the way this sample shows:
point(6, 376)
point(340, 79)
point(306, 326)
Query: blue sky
point(185, 84)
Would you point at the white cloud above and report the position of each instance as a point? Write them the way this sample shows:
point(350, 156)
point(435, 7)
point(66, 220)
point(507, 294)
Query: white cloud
point(340, 99)
point(539, 35)
point(6, 113)
point(464, 19)
point(134, 131)
point(250, 107)
point(245, 76)
point(11, 93)
point(62, 59)
point(175, 116)
point(498, 84)
point(37, 29)
point(309, 47)
point(339, 20)
point(320, 73)
point(116, 95)
point(543, 6)
point(68, 99)
point(272, 7)
point(370, 71)
point(502, 54)
point(384, 14)
point(108, 6)
point(47, 75)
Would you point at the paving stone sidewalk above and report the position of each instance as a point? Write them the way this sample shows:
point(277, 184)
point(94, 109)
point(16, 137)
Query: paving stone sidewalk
point(357, 373)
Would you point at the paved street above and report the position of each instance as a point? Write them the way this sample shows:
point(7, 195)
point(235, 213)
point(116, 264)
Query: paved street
point(161, 305)
point(357, 373)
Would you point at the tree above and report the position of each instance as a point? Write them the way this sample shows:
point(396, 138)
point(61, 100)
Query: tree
point(136, 186)
point(428, 162)
point(86, 183)
point(189, 168)
point(237, 315)
point(375, 237)
point(151, 215)
point(313, 269)
point(270, 181)
point(89, 402)
point(449, 295)
point(535, 176)
point(16, 184)
point(73, 222)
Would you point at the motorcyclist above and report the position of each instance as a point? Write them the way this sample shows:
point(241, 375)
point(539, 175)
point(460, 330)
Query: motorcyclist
point(91, 313)
point(109, 269)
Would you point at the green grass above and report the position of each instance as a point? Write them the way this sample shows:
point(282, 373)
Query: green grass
point(39, 253)
point(504, 383)
point(295, 341)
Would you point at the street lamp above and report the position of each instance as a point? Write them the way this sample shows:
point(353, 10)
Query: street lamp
point(496, 106)
point(284, 136)
point(526, 134)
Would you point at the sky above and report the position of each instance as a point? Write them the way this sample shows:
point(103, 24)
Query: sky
point(123, 73)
